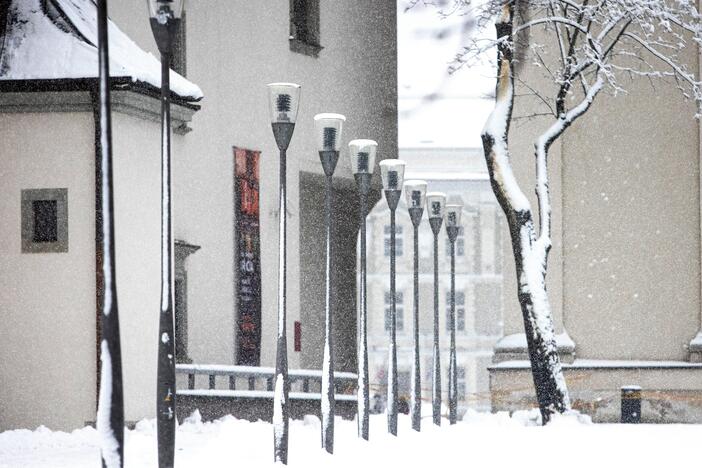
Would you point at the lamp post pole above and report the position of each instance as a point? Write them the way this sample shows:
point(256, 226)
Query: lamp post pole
point(329, 129)
point(392, 173)
point(453, 217)
point(436, 203)
point(283, 100)
point(362, 154)
point(415, 192)
point(110, 414)
point(165, 20)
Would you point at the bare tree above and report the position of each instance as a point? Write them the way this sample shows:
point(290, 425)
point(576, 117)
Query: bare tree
point(598, 42)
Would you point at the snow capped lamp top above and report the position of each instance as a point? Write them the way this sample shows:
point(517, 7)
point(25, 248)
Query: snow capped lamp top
point(328, 128)
point(436, 201)
point(164, 10)
point(362, 154)
point(415, 193)
point(392, 171)
point(453, 215)
point(284, 99)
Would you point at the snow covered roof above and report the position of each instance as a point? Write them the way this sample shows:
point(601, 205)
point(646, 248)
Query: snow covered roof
point(57, 39)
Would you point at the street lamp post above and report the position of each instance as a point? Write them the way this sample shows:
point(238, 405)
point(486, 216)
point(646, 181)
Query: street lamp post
point(110, 414)
point(453, 223)
point(283, 99)
point(165, 20)
point(328, 128)
point(362, 154)
point(392, 172)
point(436, 203)
point(415, 193)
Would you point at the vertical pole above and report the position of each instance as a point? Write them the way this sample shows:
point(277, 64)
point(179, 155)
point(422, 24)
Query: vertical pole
point(453, 376)
point(436, 381)
point(416, 377)
point(281, 410)
point(165, 389)
point(328, 359)
point(364, 396)
point(110, 413)
point(392, 371)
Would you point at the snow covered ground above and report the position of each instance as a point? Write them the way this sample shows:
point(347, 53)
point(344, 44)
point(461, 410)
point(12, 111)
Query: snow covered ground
point(480, 440)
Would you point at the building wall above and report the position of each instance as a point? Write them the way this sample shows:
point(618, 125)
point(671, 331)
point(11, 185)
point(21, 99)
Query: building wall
point(231, 57)
point(47, 302)
point(631, 213)
point(137, 182)
point(624, 272)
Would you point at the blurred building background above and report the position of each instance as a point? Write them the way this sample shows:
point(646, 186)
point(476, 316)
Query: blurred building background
point(440, 117)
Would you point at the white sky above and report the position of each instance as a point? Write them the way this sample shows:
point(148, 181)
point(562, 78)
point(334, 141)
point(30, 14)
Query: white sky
point(456, 115)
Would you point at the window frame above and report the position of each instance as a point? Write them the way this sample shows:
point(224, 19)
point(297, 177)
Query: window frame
point(310, 45)
point(460, 310)
point(399, 240)
point(27, 199)
point(399, 311)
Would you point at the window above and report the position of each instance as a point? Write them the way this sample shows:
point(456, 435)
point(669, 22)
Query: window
point(399, 311)
point(461, 383)
point(304, 27)
point(477, 246)
point(460, 310)
point(398, 240)
point(44, 220)
point(178, 58)
point(460, 244)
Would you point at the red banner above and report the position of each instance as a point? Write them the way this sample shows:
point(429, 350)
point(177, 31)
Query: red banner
point(248, 253)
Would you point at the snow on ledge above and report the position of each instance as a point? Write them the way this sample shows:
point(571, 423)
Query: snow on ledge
point(517, 342)
point(60, 43)
point(606, 364)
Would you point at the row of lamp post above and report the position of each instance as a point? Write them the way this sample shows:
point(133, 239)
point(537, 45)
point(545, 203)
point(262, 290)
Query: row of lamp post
point(284, 101)
point(284, 98)
point(392, 172)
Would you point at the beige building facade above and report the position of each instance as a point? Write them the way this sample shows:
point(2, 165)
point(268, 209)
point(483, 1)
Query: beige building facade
point(624, 272)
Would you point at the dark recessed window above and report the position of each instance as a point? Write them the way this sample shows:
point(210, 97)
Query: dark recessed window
point(44, 220)
point(399, 311)
point(304, 27)
point(178, 59)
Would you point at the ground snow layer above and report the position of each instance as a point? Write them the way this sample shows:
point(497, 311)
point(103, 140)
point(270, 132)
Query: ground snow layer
point(480, 440)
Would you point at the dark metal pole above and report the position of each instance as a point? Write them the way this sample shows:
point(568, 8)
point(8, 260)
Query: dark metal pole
point(436, 381)
point(416, 382)
point(281, 409)
point(110, 414)
point(453, 376)
point(165, 388)
point(416, 406)
point(392, 374)
point(329, 159)
point(363, 181)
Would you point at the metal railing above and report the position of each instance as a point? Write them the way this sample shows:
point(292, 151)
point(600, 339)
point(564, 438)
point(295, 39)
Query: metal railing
point(257, 382)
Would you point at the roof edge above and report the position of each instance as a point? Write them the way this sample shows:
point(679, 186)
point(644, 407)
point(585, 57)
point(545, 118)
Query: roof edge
point(89, 84)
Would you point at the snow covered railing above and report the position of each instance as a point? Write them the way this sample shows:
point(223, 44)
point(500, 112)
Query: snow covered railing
point(259, 381)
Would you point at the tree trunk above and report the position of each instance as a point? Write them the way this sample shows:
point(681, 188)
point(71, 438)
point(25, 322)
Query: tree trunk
point(529, 254)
